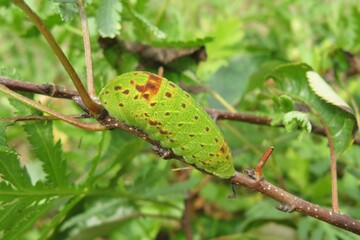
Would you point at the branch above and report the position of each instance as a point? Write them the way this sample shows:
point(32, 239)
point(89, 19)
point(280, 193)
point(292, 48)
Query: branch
point(288, 202)
point(291, 203)
point(60, 92)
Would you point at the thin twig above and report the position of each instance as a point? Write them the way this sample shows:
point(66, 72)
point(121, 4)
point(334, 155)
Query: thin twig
point(44, 89)
point(87, 48)
point(95, 109)
point(36, 105)
point(37, 118)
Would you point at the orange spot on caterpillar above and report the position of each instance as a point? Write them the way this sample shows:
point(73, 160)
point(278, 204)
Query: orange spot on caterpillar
point(150, 88)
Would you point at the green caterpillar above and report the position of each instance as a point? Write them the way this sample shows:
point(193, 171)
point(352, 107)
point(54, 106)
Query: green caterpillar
point(171, 116)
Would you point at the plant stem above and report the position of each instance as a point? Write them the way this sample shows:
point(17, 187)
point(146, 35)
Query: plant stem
point(32, 103)
point(333, 167)
point(94, 108)
point(87, 48)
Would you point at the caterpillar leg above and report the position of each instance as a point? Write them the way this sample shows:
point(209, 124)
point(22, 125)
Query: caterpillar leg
point(233, 188)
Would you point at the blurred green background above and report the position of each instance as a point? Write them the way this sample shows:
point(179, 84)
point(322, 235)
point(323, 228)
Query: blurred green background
point(135, 195)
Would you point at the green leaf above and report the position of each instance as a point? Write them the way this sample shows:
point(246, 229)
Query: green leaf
point(68, 9)
point(108, 18)
point(143, 24)
point(302, 84)
point(10, 168)
point(20, 216)
point(41, 138)
point(286, 104)
point(295, 120)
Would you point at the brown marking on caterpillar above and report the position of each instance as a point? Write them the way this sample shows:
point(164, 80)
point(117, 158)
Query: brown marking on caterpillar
point(196, 117)
point(117, 88)
point(172, 140)
point(146, 96)
point(136, 97)
point(187, 95)
point(154, 123)
point(152, 104)
point(164, 132)
point(204, 163)
point(121, 104)
point(168, 95)
point(146, 114)
point(182, 148)
point(154, 77)
point(151, 87)
point(216, 140)
point(202, 145)
point(211, 154)
point(172, 85)
point(191, 135)
point(126, 92)
point(207, 129)
point(180, 124)
point(183, 105)
point(167, 113)
point(224, 148)
point(106, 92)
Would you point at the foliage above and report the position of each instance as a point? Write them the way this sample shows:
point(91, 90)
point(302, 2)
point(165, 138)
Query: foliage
point(61, 182)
